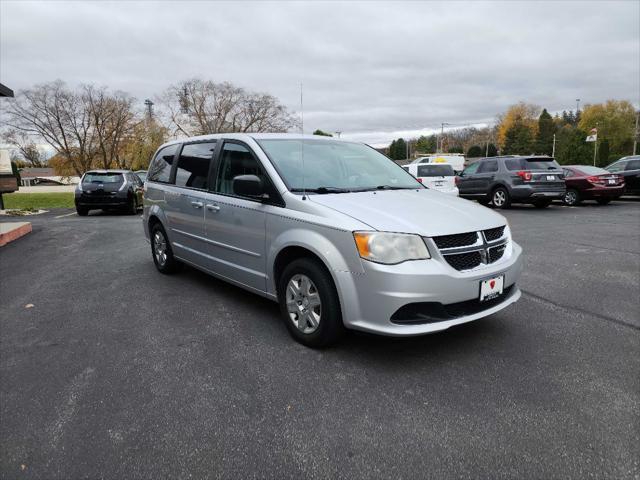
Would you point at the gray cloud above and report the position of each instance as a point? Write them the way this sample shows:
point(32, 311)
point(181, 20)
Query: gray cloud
point(370, 69)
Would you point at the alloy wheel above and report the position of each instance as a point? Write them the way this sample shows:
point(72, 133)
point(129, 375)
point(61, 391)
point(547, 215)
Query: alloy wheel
point(160, 248)
point(570, 197)
point(499, 198)
point(303, 303)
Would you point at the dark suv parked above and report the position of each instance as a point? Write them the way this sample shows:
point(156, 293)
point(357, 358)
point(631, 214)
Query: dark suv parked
point(108, 190)
point(513, 179)
point(629, 168)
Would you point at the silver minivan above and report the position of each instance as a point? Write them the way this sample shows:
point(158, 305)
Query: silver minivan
point(335, 232)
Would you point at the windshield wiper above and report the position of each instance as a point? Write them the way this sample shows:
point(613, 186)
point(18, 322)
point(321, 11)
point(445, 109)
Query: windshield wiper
point(383, 187)
point(321, 190)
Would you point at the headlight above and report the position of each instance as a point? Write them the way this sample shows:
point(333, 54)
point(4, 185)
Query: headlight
point(390, 248)
point(509, 245)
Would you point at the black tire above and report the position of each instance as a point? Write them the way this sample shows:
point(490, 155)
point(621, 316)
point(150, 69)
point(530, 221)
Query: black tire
point(542, 203)
point(571, 197)
point(82, 211)
point(132, 206)
point(500, 198)
point(604, 201)
point(329, 328)
point(166, 263)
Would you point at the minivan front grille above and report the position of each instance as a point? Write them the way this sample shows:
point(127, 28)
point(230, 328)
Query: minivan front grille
point(464, 261)
point(493, 233)
point(466, 251)
point(457, 240)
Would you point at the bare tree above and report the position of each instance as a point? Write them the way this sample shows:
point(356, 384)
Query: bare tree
point(26, 149)
point(60, 117)
point(113, 120)
point(197, 107)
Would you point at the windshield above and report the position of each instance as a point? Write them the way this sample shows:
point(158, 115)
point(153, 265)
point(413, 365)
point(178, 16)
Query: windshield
point(335, 166)
point(102, 178)
point(435, 170)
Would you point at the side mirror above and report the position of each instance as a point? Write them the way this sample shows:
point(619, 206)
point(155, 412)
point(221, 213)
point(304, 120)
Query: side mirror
point(248, 186)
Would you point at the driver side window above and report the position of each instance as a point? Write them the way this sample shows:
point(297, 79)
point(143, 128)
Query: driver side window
point(236, 159)
point(471, 169)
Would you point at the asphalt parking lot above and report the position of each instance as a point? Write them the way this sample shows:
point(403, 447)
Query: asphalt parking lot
point(110, 370)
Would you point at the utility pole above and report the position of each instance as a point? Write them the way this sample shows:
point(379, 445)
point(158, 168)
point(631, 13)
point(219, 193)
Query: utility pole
point(637, 133)
point(577, 106)
point(149, 104)
point(553, 151)
point(442, 135)
point(338, 133)
point(486, 152)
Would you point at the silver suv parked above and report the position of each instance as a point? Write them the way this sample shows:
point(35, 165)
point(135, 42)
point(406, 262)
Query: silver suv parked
point(334, 231)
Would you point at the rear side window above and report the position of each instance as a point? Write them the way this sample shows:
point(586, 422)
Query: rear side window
point(617, 167)
point(488, 166)
point(633, 165)
point(160, 168)
point(102, 178)
point(193, 165)
point(435, 170)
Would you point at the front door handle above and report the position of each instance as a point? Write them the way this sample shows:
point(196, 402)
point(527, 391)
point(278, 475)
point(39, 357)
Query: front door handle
point(197, 204)
point(213, 208)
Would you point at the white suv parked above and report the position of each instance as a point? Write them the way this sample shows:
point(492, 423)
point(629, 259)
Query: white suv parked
point(437, 176)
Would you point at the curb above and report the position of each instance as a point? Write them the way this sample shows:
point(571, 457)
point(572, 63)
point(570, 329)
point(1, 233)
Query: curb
point(10, 231)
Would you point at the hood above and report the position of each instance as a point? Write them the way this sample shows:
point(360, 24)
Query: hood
point(425, 212)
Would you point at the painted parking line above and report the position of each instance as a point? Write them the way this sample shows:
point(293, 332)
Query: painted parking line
point(66, 215)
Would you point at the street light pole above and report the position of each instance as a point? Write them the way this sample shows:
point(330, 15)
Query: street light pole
point(577, 106)
point(637, 133)
point(442, 134)
point(553, 151)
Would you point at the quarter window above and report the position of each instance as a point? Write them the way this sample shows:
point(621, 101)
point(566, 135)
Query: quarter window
point(193, 165)
point(160, 169)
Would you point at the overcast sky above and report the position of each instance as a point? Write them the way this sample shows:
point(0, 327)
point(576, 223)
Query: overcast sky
point(373, 70)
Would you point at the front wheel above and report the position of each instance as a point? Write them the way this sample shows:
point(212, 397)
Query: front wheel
point(82, 211)
point(501, 198)
point(309, 303)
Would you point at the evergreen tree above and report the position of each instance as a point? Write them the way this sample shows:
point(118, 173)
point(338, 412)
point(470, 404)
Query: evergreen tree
point(518, 140)
point(603, 153)
point(401, 149)
point(426, 144)
point(492, 150)
point(544, 137)
point(392, 150)
point(571, 149)
point(322, 134)
point(475, 152)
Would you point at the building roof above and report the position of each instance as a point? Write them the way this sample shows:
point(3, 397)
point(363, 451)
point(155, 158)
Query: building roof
point(5, 91)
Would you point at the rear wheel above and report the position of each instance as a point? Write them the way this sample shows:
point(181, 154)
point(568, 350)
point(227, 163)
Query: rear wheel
point(571, 197)
point(82, 211)
point(161, 250)
point(603, 201)
point(132, 206)
point(501, 198)
point(542, 203)
point(309, 303)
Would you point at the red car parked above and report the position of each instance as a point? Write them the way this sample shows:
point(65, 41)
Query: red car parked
point(591, 183)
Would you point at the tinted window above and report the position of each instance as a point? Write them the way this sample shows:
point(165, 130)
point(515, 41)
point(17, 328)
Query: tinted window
point(633, 165)
point(435, 170)
point(567, 173)
point(488, 166)
point(236, 160)
point(160, 169)
point(471, 169)
point(531, 164)
point(193, 165)
point(617, 167)
point(102, 178)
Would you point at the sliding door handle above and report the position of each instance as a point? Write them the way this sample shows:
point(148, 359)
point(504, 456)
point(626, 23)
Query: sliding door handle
point(197, 204)
point(213, 208)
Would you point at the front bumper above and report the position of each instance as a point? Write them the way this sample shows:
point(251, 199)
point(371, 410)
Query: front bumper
point(369, 300)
